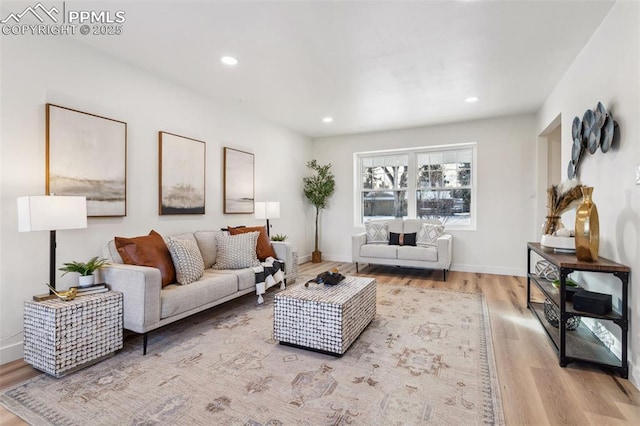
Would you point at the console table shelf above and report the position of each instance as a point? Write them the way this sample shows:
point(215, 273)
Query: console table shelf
point(580, 344)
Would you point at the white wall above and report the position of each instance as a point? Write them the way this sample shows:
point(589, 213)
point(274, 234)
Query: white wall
point(37, 70)
point(505, 174)
point(608, 70)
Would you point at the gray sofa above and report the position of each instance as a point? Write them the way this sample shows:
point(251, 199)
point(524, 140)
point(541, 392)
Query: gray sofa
point(147, 305)
point(437, 255)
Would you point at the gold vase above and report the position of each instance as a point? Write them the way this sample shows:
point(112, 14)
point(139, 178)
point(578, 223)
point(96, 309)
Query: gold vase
point(587, 228)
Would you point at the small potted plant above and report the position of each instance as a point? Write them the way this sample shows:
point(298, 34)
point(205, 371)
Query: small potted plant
point(85, 270)
point(278, 237)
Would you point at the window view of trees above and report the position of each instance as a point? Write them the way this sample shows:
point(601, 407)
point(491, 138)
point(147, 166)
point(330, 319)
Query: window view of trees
point(386, 179)
point(443, 185)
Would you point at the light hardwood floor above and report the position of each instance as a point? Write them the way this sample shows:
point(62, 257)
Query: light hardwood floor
point(535, 389)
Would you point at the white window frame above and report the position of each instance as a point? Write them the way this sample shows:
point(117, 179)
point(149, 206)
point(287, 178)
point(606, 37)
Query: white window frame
point(411, 184)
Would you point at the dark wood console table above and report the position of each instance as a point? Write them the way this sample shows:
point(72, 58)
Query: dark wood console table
point(580, 344)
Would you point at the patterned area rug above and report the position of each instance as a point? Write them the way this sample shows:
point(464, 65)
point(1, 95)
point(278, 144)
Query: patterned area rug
point(426, 358)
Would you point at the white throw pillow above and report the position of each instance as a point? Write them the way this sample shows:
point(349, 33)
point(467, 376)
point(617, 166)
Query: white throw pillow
point(236, 251)
point(186, 259)
point(429, 234)
point(377, 232)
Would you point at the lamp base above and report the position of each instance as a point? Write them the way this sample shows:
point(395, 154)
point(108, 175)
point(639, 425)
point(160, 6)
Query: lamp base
point(316, 257)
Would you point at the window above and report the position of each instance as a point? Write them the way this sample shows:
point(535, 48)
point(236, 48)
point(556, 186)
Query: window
point(427, 183)
point(384, 186)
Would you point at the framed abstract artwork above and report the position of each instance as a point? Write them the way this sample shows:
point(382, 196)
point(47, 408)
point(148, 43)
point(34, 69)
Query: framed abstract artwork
point(182, 174)
point(238, 181)
point(87, 155)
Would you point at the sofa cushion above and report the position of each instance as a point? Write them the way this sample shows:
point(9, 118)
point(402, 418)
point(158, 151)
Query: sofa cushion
point(377, 232)
point(110, 252)
point(246, 277)
point(236, 251)
point(186, 259)
point(402, 239)
point(379, 250)
point(429, 234)
point(397, 225)
point(263, 246)
point(418, 253)
point(207, 244)
point(176, 299)
point(149, 250)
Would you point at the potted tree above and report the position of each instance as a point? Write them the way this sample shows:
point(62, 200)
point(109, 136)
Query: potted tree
point(85, 270)
point(318, 188)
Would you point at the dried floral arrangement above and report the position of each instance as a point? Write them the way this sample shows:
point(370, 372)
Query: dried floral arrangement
point(560, 198)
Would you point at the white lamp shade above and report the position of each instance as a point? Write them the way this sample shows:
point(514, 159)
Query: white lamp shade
point(267, 210)
point(49, 213)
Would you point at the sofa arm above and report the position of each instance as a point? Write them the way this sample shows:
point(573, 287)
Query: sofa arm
point(284, 251)
point(140, 287)
point(357, 241)
point(445, 249)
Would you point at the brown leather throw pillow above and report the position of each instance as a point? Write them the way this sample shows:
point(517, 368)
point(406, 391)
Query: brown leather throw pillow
point(263, 247)
point(150, 250)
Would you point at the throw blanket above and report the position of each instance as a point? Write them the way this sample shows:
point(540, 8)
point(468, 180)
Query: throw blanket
point(270, 272)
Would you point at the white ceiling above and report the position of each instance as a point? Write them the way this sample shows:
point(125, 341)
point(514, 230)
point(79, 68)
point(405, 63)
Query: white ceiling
point(370, 65)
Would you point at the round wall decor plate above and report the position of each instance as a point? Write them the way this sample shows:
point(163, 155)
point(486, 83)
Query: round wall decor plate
point(594, 139)
point(576, 128)
point(616, 134)
point(575, 151)
point(607, 134)
point(586, 131)
point(588, 119)
point(571, 171)
point(600, 115)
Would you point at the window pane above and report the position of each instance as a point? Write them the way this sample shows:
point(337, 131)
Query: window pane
point(464, 174)
point(452, 207)
point(384, 177)
point(450, 174)
point(465, 156)
point(384, 205)
point(435, 175)
point(424, 179)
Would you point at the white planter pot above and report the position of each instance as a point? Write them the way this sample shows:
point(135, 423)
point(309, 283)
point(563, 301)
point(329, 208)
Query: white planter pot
point(86, 280)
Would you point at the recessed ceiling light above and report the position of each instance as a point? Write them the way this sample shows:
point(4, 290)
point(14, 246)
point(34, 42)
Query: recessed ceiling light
point(229, 60)
point(472, 99)
point(327, 119)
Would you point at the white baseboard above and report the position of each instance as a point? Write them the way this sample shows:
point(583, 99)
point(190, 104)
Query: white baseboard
point(334, 258)
point(11, 353)
point(483, 269)
point(488, 269)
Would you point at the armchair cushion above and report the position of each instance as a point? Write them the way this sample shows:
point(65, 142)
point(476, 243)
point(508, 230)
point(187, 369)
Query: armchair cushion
point(402, 239)
point(418, 253)
point(377, 232)
point(429, 234)
point(379, 250)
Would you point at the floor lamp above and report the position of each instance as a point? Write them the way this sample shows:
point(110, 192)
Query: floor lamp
point(267, 210)
point(51, 213)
